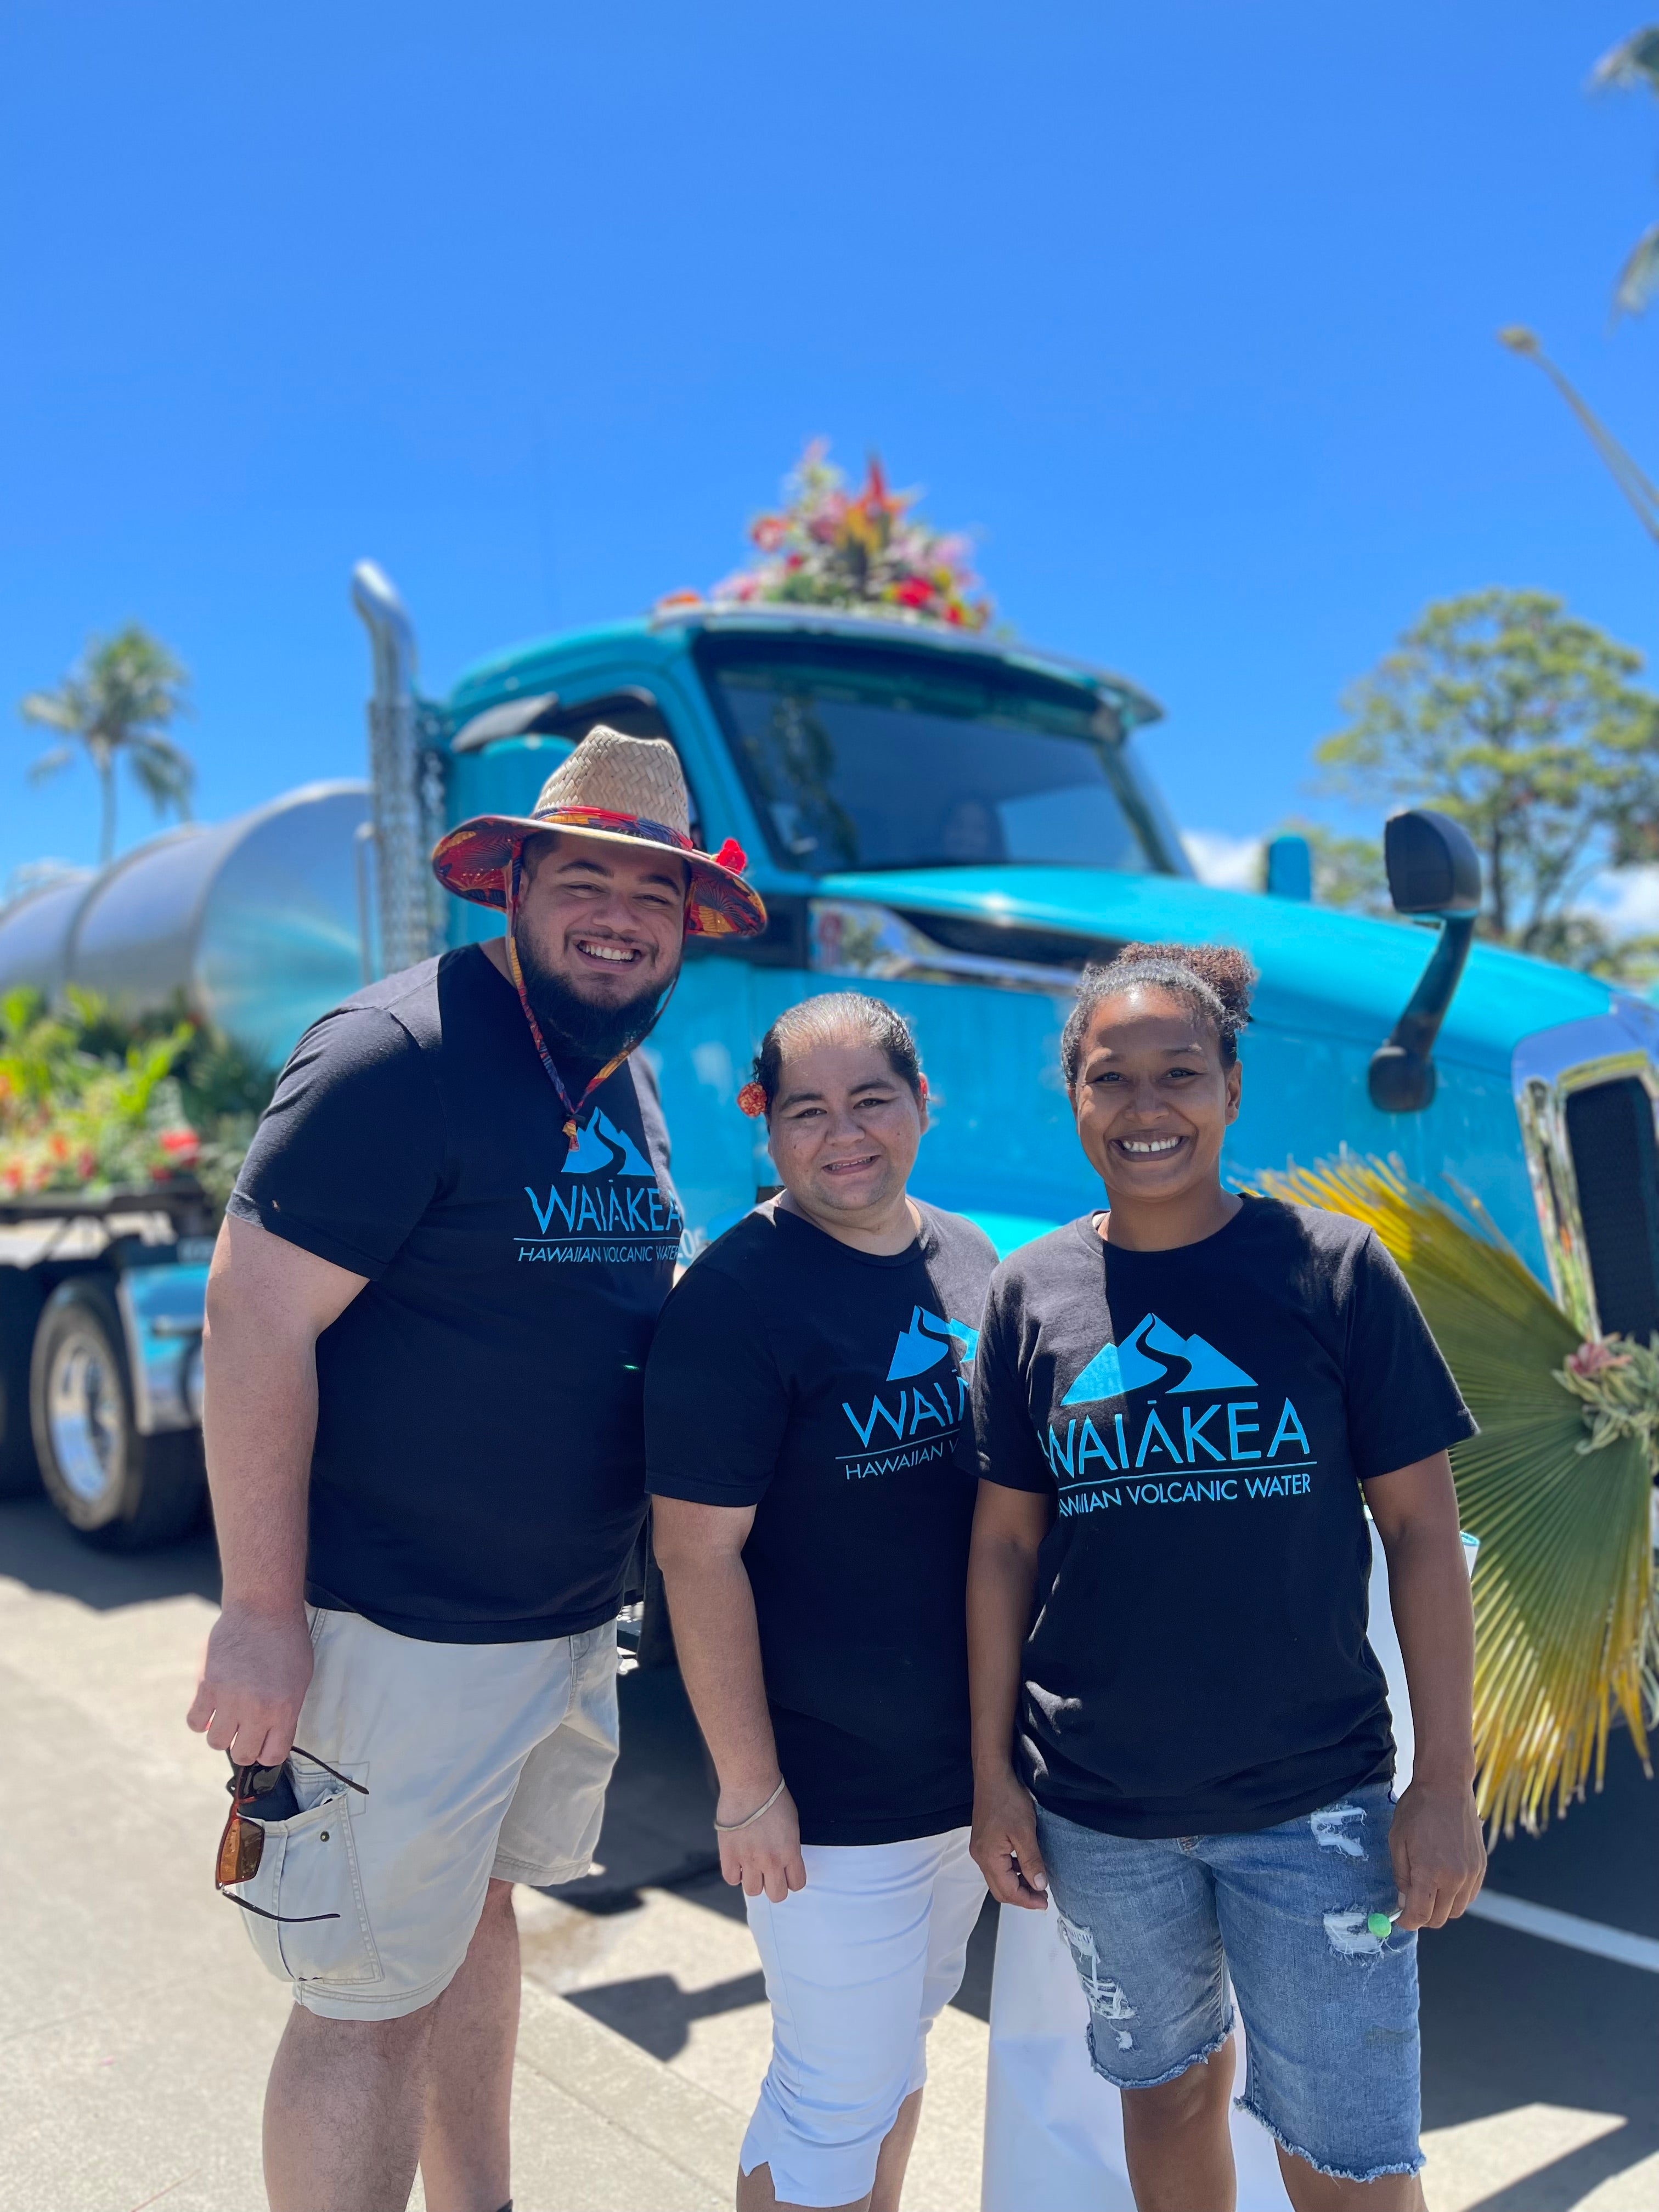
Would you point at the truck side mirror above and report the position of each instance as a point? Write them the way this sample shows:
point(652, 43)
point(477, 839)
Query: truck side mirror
point(1433, 869)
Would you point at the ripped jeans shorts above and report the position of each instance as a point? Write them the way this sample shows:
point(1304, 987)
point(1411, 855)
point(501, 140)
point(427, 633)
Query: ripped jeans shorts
point(1157, 1927)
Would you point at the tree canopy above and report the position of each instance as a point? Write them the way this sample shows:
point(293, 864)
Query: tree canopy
point(118, 704)
point(1633, 64)
point(1528, 726)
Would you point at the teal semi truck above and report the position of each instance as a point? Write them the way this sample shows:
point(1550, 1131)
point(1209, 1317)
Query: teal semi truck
point(956, 823)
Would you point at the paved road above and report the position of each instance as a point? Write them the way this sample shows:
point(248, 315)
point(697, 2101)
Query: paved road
point(135, 2026)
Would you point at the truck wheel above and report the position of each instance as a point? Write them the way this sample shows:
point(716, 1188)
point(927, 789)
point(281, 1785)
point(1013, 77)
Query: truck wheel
point(116, 1490)
point(20, 1303)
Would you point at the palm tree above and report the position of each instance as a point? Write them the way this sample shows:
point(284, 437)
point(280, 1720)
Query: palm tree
point(1634, 62)
point(118, 701)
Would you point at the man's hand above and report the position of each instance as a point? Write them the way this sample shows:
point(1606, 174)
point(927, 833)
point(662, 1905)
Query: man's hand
point(766, 1855)
point(1005, 1844)
point(254, 1678)
point(1439, 1856)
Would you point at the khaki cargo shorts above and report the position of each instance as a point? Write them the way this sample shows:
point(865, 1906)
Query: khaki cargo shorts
point(479, 1759)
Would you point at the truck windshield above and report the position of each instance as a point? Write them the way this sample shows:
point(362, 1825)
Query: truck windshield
point(868, 757)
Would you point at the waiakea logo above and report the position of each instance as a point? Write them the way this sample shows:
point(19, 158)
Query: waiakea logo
point(926, 1341)
point(1117, 1369)
point(1200, 1458)
point(923, 1424)
point(615, 1211)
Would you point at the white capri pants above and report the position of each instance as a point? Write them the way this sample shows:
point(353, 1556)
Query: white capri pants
point(858, 1964)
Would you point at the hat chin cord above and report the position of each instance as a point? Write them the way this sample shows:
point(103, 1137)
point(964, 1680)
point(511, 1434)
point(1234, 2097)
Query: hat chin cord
point(513, 875)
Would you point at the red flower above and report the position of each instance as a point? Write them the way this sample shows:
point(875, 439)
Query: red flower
point(913, 592)
point(769, 532)
point(182, 1146)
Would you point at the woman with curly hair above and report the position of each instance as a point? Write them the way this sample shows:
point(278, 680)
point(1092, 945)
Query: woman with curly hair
point(1186, 1401)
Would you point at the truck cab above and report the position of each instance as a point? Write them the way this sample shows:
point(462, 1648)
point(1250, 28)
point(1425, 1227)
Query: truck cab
point(959, 825)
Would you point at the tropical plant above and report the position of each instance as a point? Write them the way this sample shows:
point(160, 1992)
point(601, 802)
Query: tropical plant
point(1526, 725)
point(1633, 63)
point(1557, 1486)
point(827, 546)
point(118, 704)
point(90, 1101)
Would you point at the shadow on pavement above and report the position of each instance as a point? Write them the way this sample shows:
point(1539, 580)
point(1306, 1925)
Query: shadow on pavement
point(39, 1550)
point(1509, 2021)
point(656, 2012)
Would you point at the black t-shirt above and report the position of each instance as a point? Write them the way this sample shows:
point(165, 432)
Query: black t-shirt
point(828, 1388)
point(479, 1470)
point(1202, 1419)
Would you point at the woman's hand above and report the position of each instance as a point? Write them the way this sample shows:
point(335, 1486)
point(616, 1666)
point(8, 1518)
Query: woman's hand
point(765, 1854)
point(1438, 1852)
point(1005, 1844)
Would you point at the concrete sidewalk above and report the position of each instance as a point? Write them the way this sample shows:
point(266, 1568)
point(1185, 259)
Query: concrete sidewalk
point(136, 2024)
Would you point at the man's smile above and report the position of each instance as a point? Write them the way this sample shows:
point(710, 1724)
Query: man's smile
point(610, 954)
point(1150, 1147)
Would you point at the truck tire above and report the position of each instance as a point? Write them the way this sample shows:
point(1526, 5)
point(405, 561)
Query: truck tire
point(118, 1490)
point(20, 1305)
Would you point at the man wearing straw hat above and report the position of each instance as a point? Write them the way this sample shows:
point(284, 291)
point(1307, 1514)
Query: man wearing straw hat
point(427, 1316)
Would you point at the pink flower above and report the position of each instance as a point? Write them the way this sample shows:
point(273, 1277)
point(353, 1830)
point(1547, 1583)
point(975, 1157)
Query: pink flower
point(1595, 1356)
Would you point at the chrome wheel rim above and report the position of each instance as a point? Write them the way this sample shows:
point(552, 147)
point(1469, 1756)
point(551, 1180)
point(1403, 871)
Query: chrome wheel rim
point(85, 1418)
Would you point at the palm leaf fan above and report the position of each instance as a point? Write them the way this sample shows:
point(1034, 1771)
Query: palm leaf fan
point(1557, 1486)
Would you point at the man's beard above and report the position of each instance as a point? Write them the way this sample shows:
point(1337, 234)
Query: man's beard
point(577, 1030)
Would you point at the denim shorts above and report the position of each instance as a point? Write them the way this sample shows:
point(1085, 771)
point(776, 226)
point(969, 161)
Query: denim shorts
point(1157, 1926)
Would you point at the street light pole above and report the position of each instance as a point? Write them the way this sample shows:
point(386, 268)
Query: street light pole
point(1637, 487)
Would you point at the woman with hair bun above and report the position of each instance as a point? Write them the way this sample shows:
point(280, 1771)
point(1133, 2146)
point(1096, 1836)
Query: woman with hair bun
point(810, 1456)
point(1180, 1731)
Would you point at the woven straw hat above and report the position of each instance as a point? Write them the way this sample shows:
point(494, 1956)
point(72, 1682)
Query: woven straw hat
point(617, 791)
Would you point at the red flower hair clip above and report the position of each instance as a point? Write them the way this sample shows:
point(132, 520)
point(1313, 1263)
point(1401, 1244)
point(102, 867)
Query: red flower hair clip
point(752, 1099)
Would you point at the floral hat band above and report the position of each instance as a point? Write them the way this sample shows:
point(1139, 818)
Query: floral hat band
point(731, 854)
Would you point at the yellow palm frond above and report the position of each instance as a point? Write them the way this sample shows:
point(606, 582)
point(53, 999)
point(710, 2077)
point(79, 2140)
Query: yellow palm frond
point(1564, 1580)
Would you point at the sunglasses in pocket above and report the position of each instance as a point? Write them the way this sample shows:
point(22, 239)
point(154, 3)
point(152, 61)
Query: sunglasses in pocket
point(258, 1794)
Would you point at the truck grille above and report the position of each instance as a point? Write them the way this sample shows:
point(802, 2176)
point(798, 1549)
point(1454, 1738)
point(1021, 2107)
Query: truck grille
point(1610, 1131)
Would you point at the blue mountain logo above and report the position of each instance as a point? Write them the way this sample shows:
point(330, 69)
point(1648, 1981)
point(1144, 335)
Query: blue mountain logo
point(1117, 1369)
point(926, 1341)
point(597, 1146)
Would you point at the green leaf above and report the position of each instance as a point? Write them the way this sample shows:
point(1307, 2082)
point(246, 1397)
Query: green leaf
point(1564, 1595)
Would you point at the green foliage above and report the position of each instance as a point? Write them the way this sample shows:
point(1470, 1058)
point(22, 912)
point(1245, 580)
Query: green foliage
point(1634, 64)
point(1557, 1486)
point(90, 1101)
point(1528, 727)
point(118, 704)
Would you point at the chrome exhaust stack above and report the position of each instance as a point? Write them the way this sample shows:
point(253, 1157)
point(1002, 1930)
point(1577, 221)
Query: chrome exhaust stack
point(407, 800)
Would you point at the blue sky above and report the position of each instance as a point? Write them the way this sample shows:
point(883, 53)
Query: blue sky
point(1189, 310)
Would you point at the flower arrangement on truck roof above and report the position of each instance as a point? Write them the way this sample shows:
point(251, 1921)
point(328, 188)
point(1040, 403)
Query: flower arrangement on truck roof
point(828, 546)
